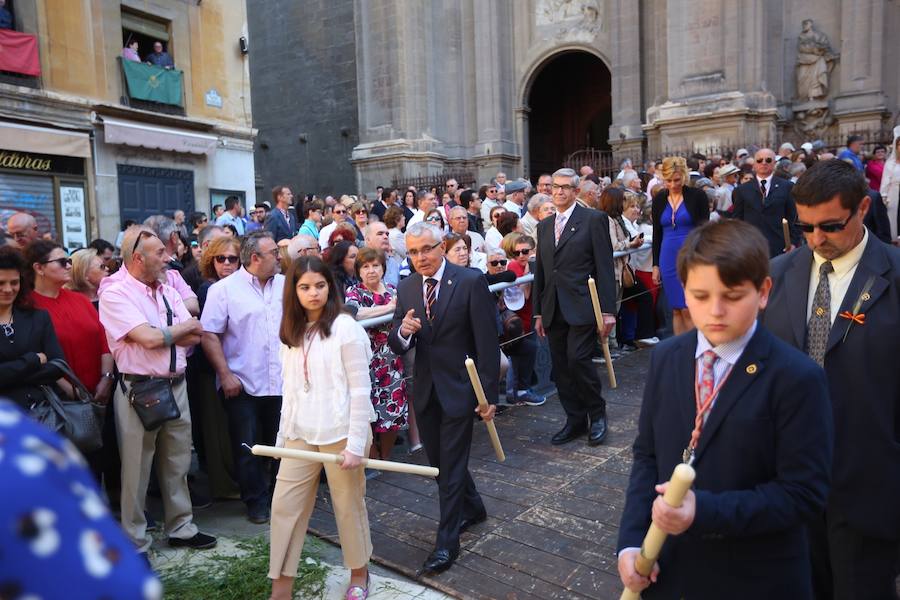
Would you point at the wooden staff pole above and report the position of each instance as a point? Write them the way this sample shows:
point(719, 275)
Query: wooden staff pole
point(325, 457)
point(679, 484)
point(482, 401)
point(598, 314)
point(787, 234)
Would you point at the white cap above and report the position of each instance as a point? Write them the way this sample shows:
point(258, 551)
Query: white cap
point(742, 152)
point(787, 146)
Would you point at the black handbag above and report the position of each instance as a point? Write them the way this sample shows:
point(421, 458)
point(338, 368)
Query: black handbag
point(80, 420)
point(152, 397)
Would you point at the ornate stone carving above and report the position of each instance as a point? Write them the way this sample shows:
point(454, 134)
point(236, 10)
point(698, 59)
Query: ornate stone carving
point(568, 17)
point(815, 60)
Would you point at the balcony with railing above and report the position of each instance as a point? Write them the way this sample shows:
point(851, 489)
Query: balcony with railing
point(20, 63)
point(148, 87)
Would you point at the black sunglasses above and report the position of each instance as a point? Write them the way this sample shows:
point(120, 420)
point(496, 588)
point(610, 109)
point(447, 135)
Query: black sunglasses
point(825, 227)
point(767, 159)
point(498, 263)
point(222, 259)
point(62, 262)
point(137, 242)
point(521, 252)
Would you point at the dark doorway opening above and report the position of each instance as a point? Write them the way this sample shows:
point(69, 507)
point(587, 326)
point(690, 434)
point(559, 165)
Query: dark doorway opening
point(147, 191)
point(571, 109)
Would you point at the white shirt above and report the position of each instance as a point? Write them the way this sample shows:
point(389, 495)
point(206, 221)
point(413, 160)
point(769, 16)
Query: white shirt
point(325, 233)
point(642, 260)
point(247, 318)
point(839, 279)
point(418, 216)
point(398, 242)
point(486, 205)
point(768, 181)
point(513, 207)
point(338, 404)
point(493, 239)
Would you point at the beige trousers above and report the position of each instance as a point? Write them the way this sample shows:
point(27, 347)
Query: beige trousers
point(171, 444)
point(295, 498)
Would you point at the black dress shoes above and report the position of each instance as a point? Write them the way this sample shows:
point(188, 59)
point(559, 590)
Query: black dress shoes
point(438, 561)
point(466, 523)
point(597, 432)
point(570, 432)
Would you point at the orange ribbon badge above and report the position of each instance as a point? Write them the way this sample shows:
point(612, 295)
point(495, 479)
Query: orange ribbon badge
point(855, 317)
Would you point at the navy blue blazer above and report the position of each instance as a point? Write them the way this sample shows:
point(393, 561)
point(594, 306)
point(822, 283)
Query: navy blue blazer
point(464, 324)
point(279, 227)
point(762, 465)
point(862, 379)
point(766, 215)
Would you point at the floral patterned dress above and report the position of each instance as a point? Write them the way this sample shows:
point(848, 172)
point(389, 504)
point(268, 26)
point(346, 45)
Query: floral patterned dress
point(386, 368)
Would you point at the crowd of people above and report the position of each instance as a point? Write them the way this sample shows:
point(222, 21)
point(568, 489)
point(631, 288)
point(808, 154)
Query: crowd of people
point(246, 326)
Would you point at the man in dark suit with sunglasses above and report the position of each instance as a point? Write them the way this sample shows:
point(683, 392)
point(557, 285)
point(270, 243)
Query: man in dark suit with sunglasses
point(838, 299)
point(765, 200)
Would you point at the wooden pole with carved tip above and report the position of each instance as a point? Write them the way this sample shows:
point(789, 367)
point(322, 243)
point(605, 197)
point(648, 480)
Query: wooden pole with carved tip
point(598, 314)
point(787, 234)
point(325, 457)
point(681, 481)
point(482, 401)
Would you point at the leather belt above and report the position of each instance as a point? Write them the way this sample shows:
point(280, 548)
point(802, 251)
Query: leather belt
point(136, 378)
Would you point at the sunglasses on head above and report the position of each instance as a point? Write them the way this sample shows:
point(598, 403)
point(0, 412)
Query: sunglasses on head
point(498, 263)
point(767, 159)
point(62, 262)
point(824, 227)
point(222, 259)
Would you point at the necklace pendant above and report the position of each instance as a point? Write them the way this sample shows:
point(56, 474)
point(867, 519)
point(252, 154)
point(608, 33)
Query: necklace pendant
point(306, 386)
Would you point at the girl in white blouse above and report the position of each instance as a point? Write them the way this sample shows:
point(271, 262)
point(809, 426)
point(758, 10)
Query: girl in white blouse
point(326, 407)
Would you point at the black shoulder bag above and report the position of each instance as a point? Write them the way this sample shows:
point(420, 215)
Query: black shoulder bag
point(152, 397)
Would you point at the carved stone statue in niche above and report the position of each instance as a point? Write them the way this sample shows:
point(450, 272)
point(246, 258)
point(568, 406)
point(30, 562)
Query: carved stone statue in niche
point(815, 60)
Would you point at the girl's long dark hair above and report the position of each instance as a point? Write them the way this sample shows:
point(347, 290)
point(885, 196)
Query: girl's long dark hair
point(294, 319)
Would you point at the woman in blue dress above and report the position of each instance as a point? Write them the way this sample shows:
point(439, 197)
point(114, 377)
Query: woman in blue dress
point(677, 210)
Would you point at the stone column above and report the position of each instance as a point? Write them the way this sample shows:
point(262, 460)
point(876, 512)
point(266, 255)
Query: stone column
point(522, 135)
point(861, 103)
point(625, 133)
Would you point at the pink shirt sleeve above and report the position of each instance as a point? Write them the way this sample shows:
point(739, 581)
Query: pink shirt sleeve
point(175, 279)
point(118, 315)
point(215, 312)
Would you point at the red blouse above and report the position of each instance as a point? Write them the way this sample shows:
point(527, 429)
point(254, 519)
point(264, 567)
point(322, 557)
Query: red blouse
point(79, 332)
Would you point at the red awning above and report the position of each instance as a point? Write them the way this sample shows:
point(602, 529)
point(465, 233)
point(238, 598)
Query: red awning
point(19, 53)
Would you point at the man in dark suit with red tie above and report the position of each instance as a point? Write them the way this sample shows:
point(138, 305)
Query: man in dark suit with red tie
point(573, 245)
point(447, 313)
point(838, 299)
point(764, 201)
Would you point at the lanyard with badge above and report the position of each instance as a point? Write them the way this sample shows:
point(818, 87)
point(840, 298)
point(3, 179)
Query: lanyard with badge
point(703, 410)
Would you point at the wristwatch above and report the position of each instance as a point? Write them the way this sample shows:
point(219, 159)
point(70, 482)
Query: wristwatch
point(109, 375)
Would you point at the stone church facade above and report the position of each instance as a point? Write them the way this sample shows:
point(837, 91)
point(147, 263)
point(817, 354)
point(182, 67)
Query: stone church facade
point(479, 86)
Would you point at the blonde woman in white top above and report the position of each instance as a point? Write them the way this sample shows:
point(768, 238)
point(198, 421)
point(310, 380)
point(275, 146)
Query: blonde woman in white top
point(326, 407)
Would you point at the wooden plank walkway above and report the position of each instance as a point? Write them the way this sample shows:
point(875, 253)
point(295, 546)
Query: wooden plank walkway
point(553, 512)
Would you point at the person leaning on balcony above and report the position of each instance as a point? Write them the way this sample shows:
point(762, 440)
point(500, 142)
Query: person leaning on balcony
point(130, 51)
point(160, 58)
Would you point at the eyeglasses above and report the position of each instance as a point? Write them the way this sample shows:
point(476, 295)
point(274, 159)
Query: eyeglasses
point(767, 159)
point(824, 227)
point(435, 218)
point(567, 187)
point(62, 262)
point(274, 252)
point(525, 252)
point(426, 250)
point(339, 212)
point(140, 236)
point(222, 259)
point(360, 212)
point(498, 263)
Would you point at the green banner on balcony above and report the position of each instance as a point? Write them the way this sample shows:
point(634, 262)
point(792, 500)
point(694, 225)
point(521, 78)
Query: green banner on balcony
point(149, 82)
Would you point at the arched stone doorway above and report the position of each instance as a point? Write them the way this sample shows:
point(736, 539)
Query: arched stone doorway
point(570, 109)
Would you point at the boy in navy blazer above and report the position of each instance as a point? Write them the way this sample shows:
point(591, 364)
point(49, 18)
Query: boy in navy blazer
point(761, 444)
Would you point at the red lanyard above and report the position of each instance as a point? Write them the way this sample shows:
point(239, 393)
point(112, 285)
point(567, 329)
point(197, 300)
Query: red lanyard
point(703, 409)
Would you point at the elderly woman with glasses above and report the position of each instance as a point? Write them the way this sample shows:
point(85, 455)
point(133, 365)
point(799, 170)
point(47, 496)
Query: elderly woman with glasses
point(373, 298)
point(88, 270)
point(221, 258)
point(76, 323)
